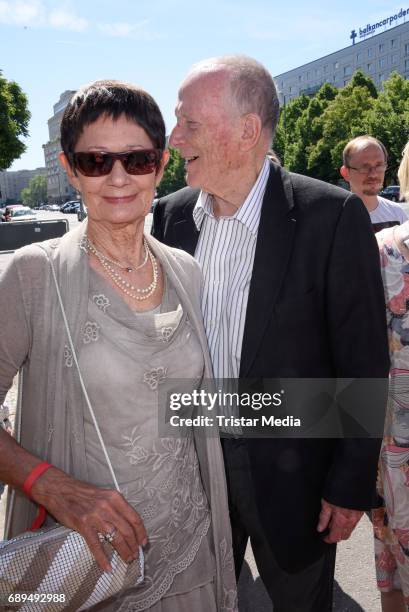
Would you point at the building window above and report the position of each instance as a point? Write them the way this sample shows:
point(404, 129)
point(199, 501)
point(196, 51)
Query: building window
point(359, 57)
point(300, 77)
point(395, 58)
point(394, 43)
point(407, 49)
point(406, 64)
point(317, 72)
point(382, 77)
point(347, 70)
point(382, 62)
point(326, 68)
point(308, 75)
point(370, 52)
point(346, 81)
point(369, 67)
point(381, 47)
point(336, 65)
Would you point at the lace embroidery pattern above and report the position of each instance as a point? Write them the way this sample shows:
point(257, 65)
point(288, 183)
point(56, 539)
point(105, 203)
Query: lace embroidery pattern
point(155, 377)
point(130, 604)
point(230, 603)
point(226, 555)
point(170, 498)
point(101, 301)
point(68, 359)
point(91, 332)
point(167, 333)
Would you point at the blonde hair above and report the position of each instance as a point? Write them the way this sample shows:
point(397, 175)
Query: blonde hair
point(403, 173)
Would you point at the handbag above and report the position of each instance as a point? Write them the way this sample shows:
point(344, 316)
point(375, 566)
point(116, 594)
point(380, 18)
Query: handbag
point(53, 568)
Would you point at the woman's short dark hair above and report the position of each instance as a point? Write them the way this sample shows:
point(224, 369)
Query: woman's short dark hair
point(111, 99)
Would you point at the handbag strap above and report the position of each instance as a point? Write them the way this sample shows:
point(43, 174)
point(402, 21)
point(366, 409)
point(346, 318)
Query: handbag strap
point(84, 390)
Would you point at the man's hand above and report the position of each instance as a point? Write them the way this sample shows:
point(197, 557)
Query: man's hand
point(340, 521)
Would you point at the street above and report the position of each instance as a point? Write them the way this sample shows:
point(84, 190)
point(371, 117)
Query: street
point(355, 587)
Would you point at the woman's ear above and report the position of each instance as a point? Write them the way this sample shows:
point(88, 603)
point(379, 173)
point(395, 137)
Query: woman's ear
point(71, 174)
point(162, 166)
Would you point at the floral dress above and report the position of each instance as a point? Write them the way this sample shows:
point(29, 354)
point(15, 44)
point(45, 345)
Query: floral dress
point(139, 354)
point(391, 521)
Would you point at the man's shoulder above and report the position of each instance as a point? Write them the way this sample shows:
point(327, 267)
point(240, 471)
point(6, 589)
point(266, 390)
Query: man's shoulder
point(384, 202)
point(388, 203)
point(307, 187)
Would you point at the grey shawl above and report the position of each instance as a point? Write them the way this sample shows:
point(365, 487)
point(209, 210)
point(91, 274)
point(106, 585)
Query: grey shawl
point(52, 404)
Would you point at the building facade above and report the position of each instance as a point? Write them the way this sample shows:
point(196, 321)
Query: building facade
point(12, 182)
point(59, 189)
point(376, 55)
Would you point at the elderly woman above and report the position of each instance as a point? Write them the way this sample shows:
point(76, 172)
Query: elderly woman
point(132, 306)
point(391, 522)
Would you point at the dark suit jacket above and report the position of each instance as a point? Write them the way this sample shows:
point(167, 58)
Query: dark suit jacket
point(315, 309)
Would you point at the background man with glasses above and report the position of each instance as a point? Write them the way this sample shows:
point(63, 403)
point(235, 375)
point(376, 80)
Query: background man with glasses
point(364, 164)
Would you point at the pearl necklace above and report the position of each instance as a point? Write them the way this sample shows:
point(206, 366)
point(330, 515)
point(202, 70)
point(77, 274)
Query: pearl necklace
point(90, 246)
point(122, 283)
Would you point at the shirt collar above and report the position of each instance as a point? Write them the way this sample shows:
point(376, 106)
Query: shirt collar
point(248, 213)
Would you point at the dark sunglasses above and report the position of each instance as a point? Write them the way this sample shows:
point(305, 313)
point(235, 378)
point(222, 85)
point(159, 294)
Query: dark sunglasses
point(141, 161)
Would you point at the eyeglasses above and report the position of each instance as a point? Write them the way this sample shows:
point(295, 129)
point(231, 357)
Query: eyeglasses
point(141, 161)
point(367, 169)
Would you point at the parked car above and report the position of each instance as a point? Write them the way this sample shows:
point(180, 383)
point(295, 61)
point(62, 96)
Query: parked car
point(22, 213)
point(70, 207)
point(392, 192)
point(8, 209)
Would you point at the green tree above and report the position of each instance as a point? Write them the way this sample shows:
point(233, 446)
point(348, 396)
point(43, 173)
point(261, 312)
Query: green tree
point(174, 175)
point(36, 192)
point(312, 132)
point(388, 121)
point(285, 132)
point(14, 118)
point(343, 119)
point(308, 130)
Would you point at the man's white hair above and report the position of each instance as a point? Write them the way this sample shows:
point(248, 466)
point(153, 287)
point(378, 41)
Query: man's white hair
point(251, 86)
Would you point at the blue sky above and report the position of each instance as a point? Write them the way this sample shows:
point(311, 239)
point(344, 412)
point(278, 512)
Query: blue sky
point(49, 46)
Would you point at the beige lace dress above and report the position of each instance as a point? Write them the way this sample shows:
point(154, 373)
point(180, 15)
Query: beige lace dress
point(126, 357)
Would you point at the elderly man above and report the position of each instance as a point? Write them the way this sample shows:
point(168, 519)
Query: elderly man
point(364, 163)
point(292, 288)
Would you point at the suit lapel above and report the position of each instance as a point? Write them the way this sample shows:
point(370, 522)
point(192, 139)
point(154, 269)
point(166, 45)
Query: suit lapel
point(185, 231)
point(274, 245)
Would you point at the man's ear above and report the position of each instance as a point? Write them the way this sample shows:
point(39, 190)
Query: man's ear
point(344, 173)
point(72, 177)
point(162, 166)
point(251, 131)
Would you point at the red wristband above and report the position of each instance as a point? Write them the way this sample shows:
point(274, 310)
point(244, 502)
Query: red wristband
point(33, 475)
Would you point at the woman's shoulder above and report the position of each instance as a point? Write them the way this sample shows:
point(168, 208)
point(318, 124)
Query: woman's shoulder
point(34, 255)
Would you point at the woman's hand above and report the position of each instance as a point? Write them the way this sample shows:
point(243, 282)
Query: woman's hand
point(91, 511)
point(88, 509)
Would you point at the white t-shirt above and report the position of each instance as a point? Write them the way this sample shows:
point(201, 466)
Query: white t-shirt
point(387, 213)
